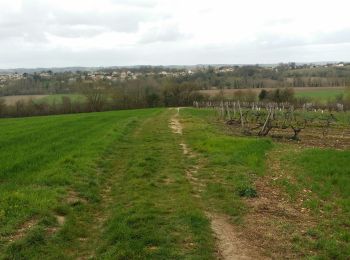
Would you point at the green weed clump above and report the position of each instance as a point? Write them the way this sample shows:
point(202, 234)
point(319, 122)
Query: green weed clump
point(247, 192)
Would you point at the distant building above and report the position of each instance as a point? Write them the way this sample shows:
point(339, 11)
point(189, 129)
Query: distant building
point(71, 80)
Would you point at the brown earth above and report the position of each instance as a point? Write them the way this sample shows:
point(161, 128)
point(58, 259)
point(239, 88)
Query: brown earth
point(273, 220)
point(11, 100)
point(23, 230)
point(312, 136)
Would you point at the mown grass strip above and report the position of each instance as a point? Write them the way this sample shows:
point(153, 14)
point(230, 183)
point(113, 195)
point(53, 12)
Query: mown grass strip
point(154, 215)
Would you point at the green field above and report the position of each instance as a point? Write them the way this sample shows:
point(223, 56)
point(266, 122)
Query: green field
point(321, 95)
point(315, 94)
point(115, 185)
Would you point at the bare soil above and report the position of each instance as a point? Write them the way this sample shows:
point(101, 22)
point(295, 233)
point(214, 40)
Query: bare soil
point(11, 100)
point(73, 198)
point(311, 136)
point(273, 220)
point(23, 230)
point(230, 243)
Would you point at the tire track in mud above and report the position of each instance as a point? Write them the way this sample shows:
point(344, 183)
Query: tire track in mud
point(228, 244)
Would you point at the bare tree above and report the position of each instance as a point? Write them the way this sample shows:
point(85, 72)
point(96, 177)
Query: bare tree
point(2, 106)
point(66, 105)
point(95, 97)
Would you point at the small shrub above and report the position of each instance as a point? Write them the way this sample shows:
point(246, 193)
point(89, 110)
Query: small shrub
point(247, 192)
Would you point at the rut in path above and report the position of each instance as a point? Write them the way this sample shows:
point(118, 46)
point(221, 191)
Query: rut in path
point(229, 245)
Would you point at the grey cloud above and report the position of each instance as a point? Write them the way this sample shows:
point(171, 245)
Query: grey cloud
point(340, 36)
point(76, 31)
point(278, 22)
point(274, 40)
point(168, 54)
point(36, 19)
point(163, 34)
point(137, 3)
point(120, 21)
point(23, 41)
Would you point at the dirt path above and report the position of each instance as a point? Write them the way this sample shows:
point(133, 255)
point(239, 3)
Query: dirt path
point(229, 245)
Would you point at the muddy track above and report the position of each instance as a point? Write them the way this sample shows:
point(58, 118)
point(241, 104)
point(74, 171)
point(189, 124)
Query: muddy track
point(228, 244)
point(23, 230)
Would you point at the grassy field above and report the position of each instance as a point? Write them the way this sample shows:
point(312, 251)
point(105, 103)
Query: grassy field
point(112, 180)
point(113, 185)
point(320, 94)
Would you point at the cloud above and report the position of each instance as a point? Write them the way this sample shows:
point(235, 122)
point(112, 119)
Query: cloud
point(124, 32)
point(34, 19)
point(335, 37)
point(163, 33)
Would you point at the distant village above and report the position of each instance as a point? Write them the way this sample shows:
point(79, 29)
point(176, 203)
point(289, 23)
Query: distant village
point(124, 74)
point(108, 74)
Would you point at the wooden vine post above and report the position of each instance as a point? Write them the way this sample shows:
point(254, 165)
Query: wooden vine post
point(241, 115)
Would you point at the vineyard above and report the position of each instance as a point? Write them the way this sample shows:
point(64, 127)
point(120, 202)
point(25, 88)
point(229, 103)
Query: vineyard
point(320, 126)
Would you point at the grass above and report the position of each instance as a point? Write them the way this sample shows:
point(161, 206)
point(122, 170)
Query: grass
point(41, 158)
point(315, 94)
point(320, 95)
point(326, 174)
point(131, 198)
point(154, 199)
point(149, 212)
point(230, 165)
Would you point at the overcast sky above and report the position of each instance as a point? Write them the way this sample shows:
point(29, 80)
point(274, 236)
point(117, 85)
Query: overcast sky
point(57, 33)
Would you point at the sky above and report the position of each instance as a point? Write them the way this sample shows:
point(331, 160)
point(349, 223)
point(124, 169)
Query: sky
point(61, 33)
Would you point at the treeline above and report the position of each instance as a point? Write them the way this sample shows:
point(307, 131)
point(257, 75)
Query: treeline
point(152, 93)
point(266, 77)
point(101, 96)
point(278, 95)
